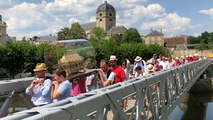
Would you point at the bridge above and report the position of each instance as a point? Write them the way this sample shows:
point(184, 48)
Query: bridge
point(153, 96)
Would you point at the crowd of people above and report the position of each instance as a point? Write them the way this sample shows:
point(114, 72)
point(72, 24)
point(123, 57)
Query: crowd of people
point(44, 90)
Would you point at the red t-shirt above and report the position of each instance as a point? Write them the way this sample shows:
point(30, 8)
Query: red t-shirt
point(177, 63)
point(119, 74)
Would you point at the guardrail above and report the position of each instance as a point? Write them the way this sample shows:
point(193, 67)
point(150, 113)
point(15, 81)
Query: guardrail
point(156, 96)
point(12, 90)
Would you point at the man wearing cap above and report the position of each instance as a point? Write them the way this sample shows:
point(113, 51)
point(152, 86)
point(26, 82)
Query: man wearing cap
point(40, 89)
point(119, 72)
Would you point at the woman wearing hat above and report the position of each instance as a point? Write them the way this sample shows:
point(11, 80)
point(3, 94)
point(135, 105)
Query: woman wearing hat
point(40, 89)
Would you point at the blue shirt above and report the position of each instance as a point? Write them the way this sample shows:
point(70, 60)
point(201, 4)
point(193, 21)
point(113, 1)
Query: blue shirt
point(41, 95)
point(64, 89)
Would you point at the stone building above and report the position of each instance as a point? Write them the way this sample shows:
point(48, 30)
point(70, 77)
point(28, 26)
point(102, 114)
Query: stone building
point(173, 42)
point(105, 16)
point(106, 19)
point(3, 31)
point(155, 37)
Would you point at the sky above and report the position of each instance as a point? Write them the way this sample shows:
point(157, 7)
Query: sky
point(28, 18)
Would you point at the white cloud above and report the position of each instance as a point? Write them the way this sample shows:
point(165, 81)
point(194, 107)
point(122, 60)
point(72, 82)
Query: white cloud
point(49, 16)
point(23, 16)
point(5, 4)
point(139, 12)
point(71, 8)
point(29, 19)
point(171, 23)
point(207, 12)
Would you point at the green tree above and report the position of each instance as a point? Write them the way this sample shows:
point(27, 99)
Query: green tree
point(51, 54)
point(211, 37)
point(131, 36)
point(98, 35)
point(202, 46)
point(15, 54)
point(210, 45)
point(3, 71)
point(205, 37)
point(63, 34)
point(35, 38)
point(193, 40)
point(76, 32)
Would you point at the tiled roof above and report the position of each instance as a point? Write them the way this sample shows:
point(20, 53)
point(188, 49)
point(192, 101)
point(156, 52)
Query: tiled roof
point(88, 26)
point(47, 38)
point(105, 7)
point(154, 32)
point(181, 47)
point(117, 29)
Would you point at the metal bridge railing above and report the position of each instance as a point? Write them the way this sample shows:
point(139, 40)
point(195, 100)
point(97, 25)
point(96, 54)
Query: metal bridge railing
point(156, 96)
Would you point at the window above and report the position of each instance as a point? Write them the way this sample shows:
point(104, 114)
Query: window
point(110, 14)
point(100, 14)
point(100, 19)
point(110, 19)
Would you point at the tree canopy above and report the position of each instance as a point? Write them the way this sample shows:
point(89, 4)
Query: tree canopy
point(74, 32)
point(203, 41)
point(98, 34)
point(131, 36)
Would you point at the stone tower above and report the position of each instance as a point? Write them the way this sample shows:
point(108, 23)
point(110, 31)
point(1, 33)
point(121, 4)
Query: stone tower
point(105, 16)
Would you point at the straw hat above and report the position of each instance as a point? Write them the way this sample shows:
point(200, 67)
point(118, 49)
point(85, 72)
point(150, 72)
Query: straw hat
point(40, 66)
point(112, 57)
point(150, 67)
point(138, 58)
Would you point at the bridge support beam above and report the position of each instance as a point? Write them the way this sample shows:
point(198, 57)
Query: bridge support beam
point(6, 105)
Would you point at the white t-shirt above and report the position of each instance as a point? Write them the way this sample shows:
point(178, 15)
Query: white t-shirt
point(111, 77)
point(165, 64)
point(89, 82)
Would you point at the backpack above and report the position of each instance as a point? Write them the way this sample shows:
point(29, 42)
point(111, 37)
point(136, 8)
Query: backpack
point(108, 73)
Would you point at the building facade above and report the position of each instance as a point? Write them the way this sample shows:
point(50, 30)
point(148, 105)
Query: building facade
point(3, 31)
point(155, 37)
point(173, 42)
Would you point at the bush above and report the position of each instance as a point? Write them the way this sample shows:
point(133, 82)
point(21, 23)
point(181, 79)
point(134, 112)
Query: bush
point(126, 50)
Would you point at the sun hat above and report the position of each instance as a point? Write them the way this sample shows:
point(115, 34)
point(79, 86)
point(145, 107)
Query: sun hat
point(138, 58)
point(150, 67)
point(40, 66)
point(176, 58)
point(112, 57)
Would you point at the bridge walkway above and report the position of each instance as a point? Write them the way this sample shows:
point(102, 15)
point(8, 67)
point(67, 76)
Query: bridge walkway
point(159, 92)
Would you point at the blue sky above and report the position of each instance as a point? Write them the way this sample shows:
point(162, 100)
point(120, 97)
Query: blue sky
point(42, 17)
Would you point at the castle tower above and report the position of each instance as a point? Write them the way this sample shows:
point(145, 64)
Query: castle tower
point(105, 16)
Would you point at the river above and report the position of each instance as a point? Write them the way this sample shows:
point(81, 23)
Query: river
point(194, 106)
